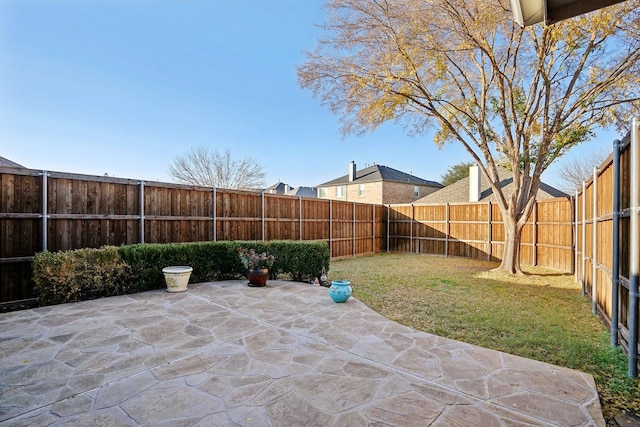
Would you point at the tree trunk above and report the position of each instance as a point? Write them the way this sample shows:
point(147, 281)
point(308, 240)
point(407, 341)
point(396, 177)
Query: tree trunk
point(511, 254)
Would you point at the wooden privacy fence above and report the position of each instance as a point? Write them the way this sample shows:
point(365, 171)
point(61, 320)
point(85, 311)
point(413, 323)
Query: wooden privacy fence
point(475, 230)
point(54, 211)
point(604, 258)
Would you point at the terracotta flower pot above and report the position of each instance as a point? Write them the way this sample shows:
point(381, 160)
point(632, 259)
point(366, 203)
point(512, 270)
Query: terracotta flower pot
point(257, 277)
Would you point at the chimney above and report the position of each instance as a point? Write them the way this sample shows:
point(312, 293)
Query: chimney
point(352, 171)
point(474, 183)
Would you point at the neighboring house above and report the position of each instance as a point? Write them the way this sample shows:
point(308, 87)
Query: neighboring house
point(286, 189)
point(278, 188)
point(6, 162)
point(476, 188)
point(303, 192)
point(377, 184)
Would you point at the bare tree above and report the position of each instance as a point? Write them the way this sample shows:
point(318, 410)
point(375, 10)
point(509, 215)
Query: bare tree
point(522, 96)
point(200, 166)
point(580, 169)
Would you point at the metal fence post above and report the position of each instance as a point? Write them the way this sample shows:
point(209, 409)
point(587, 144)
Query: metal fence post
point(634, 251)
point(373, 229)
point(615, 262)
point(353, 233)
point(330, 228)
point(594, 249)
point(534, 239)
point(388, 220)
point(411, 230)
point(575, 248)
point(45, 210)
point(215, 222)
point(141, 211)
point(584, 237)
point(300, 215)
point(262, 216)
point(489, 231)
point(447, 230)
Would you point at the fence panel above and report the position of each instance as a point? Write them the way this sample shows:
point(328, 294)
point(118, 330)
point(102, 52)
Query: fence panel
point(20, 231)
point(475, 230)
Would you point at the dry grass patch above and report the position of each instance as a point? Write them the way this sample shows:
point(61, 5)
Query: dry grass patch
point(540, 315)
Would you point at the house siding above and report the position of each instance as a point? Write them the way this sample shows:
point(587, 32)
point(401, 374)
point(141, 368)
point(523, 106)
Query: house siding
point(396, 192)
point(380, 192)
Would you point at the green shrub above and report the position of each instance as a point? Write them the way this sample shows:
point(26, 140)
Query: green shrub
point(301, 260)
point(92, 273)
point(77, 275)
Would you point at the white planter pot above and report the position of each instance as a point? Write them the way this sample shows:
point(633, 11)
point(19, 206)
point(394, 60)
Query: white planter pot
point(177, 278)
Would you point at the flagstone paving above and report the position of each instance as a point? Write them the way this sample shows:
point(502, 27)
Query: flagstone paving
point(224, 354)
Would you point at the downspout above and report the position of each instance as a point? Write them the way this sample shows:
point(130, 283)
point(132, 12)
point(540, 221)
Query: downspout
point(615, 273)
point(634, 253)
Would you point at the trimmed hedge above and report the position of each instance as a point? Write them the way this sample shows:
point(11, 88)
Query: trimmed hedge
point(93, 273)
point(77, 275)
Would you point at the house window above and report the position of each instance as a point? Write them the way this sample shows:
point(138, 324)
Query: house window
point(322, 193)
point(361, 190)
point(416, 191)
point(340, 191)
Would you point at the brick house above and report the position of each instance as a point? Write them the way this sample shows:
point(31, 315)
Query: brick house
point(377, 184)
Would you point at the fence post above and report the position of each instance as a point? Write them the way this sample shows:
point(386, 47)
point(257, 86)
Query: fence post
point(330, 227)
point(300, 215)
point(353, 232)
point(388, 220)
point(447, 230)
point(594, 249)
point(142, 212)
point(534, 238)
point(215, 224)
point(615, 270)
point(489, 230)
point(262, 216)
point(411, 230)
point(575, 246)
point(634, 251)
point(584, 237)
point(45, 209)
point(373, 229)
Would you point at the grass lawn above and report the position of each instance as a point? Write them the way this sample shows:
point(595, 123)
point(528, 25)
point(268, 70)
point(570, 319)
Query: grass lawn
point(541, 315)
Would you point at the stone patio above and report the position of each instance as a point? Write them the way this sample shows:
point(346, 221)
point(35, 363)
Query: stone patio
point(224, 354)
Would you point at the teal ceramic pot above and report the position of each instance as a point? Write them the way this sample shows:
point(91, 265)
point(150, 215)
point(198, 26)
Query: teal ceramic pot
point(340, 290)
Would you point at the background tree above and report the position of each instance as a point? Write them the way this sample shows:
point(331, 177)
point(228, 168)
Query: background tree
point(523, 96)
point(580, 169)
point(200, 166)
point(455, 173)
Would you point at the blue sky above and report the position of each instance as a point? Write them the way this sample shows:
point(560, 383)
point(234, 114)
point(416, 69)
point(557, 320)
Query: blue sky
point(122, 87)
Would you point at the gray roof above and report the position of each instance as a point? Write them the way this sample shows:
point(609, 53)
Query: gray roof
point(6, 162)
point(458, 192)
point(303, 192)
point(278, 188)
point(378, 173)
